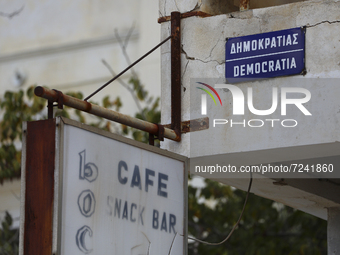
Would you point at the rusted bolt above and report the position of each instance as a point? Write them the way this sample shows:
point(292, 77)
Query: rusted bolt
point(244, 5)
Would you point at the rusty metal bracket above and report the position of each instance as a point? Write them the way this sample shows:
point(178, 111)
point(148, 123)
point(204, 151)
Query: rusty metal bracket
point(244, 5)
point(50, 109)
point(186, 15)
point(50, 105)
point(60, 99)
point(151, 139)
point(160, 133)
point(193, 125)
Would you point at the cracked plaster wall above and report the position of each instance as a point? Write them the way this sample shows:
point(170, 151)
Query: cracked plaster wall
point(203, 46)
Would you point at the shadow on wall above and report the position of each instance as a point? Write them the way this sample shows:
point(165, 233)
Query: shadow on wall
point(216, 7)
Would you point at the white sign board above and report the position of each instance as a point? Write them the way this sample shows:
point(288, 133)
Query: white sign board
point(117, 196)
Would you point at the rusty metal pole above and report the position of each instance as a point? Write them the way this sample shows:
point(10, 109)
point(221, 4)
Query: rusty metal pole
point(244, 5)
point(57, 96)
point(176, 72)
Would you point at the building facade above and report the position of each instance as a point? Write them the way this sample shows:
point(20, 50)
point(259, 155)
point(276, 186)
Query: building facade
point(239, 139)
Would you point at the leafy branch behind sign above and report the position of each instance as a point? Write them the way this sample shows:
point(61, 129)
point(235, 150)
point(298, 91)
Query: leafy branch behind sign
point(267, 227)
point(21, 106)
point(9, 237)
point(16, 107)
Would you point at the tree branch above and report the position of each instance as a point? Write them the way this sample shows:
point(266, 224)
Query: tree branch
point(12, 14)
point(125, 86)
point(124, 45)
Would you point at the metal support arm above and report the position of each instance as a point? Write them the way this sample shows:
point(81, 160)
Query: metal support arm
point(84, 106)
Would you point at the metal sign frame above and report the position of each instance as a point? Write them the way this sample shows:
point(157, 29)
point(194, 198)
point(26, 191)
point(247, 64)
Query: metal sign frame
point(42, 183)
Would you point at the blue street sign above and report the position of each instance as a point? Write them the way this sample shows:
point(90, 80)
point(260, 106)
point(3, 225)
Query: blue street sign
point(266, 55)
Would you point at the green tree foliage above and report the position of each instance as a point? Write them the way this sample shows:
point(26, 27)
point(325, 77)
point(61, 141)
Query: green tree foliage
point(150, 112)
point(17, 107)
point(266, 226)
point(9, 237)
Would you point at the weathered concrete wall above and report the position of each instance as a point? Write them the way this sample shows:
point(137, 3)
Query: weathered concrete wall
point(203, 42)
point(45, 23)
point(61, 45)
point(203, 56)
